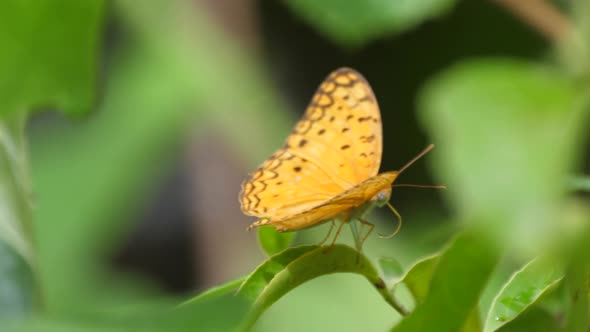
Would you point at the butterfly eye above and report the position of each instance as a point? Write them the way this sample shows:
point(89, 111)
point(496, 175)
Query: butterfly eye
point(382, 197)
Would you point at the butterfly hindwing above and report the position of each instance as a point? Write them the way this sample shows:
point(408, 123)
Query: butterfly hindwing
point(354, 197)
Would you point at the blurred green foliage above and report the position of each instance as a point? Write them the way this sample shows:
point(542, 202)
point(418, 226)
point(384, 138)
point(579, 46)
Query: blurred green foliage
point(417, 278)
point(493, 119)
point(45, 62)
point(49, 54)
point(510, 134)
point(451, 299)
point(16, 284)
point(525, 288)
point(353, 23)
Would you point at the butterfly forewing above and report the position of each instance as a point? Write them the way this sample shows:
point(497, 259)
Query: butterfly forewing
point(336, 145)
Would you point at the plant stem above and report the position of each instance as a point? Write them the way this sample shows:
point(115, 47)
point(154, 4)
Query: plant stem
point(389, 298)
point(15, 188)
point(540, 15)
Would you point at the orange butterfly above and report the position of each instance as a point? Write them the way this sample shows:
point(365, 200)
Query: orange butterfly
point(328, 166)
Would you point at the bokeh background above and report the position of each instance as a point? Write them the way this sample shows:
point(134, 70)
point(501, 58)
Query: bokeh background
point(136, 202)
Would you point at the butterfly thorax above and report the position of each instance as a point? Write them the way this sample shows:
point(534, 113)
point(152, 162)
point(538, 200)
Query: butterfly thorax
point(379, 200)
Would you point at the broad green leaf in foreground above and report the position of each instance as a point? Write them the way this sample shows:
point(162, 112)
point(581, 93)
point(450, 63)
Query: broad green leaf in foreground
point(273, 242)
point(49, 54)
point(356, 22)
point(524, 289)
point(294, 266)
point(494, 122)
point(459, 278)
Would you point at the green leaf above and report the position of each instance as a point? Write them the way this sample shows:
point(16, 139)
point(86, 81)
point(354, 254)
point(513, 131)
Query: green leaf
point(459, 278)
point(259, 279)
point(294, 266)
point(215, 292)
point(494, 122)
point(524, 289)
point(419, 276)
point(353, 23)
point(391, 269)
point(223, 313)
point(273, 242)
point(533, 319)
point(577, 282)
point(49, 54)
point(219, 313)
point(578, 297)
point(473, 322)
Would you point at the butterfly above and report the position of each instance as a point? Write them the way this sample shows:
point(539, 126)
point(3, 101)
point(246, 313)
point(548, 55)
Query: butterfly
point(328, 166)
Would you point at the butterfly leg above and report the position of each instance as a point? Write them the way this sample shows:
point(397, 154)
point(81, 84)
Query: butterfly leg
point(343, 221)
point(362, 226)
point(371, 226)
point(327, 235)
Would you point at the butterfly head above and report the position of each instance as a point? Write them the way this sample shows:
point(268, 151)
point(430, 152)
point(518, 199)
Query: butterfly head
point(382, 197)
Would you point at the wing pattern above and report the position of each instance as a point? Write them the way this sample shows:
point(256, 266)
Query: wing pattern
point(335, 146)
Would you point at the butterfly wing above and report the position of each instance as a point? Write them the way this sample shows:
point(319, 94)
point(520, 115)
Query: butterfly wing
point(336, 145)
point(352, 198)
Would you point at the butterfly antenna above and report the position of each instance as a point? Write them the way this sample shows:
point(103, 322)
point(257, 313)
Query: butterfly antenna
point(399, 224)
point(420, 155)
